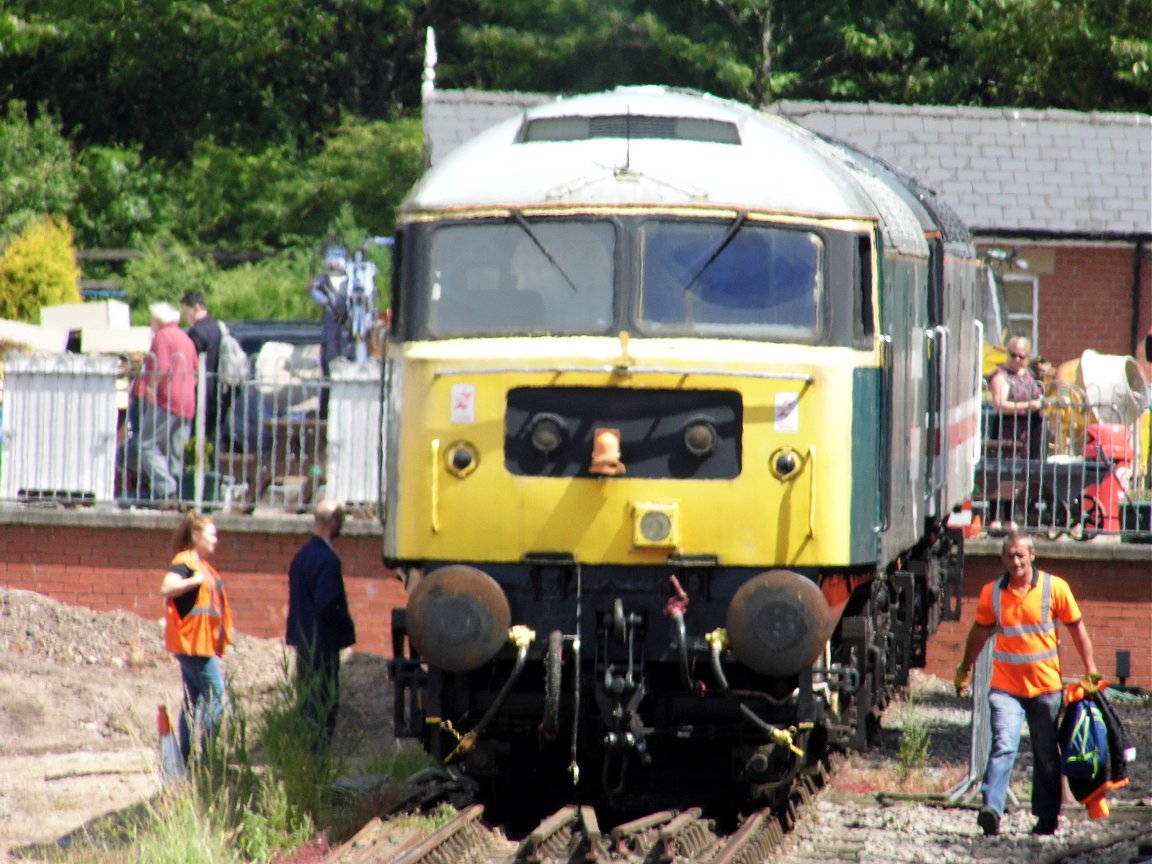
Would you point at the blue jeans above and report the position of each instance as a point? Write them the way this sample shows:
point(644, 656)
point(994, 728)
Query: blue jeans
point(203, 698)
point(1008, 715)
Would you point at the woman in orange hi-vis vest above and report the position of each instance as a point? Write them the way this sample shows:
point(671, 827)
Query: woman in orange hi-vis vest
point(1021, 609)
point(198, 626)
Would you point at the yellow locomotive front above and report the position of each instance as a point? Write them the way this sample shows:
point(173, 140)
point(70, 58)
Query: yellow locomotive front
point(635, 424)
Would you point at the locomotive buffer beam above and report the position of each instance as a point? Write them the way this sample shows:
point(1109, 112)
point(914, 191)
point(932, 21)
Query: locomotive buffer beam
point(858, 639)
point(909, 641)
point(953, 575)
point(410, 680)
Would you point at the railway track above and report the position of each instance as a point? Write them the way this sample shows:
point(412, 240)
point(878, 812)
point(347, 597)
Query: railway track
point(573, 834)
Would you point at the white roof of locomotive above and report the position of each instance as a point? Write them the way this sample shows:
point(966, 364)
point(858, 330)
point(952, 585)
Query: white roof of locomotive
point(777, 166)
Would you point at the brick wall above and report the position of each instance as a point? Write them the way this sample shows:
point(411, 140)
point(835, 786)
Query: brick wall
point(117, 567)
point(120, 568)
point(1086, 302)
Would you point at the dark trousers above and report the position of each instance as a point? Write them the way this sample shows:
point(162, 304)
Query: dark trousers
point(318, 682)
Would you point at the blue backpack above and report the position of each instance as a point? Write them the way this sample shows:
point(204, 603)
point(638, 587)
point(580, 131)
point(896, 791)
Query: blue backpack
point(1084, 742)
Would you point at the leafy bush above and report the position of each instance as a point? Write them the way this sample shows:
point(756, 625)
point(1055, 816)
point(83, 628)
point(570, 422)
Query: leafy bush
point(37, 269)
point(276, 287)
point(165, 272)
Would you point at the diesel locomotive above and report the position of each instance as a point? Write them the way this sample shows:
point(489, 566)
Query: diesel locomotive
point(679, 398)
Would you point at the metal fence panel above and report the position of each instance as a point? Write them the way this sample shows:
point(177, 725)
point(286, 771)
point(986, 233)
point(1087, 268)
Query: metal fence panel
point(355, 433)
point(59, 428)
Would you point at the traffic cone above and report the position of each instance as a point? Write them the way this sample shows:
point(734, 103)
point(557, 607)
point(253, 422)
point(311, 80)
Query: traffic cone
point(975, 526)
point(171, 759)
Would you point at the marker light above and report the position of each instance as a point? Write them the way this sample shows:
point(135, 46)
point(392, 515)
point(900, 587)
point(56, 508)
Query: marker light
point(606, 453)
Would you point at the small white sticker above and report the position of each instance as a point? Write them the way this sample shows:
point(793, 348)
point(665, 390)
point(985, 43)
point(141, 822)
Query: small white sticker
point(463, 403)
point(787, 418)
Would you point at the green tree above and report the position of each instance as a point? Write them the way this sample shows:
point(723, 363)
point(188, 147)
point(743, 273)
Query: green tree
point(232, 198)
point(366, 166)
point(1080, 54)
point(38, 175)
point(171, 73)
point(121, 199)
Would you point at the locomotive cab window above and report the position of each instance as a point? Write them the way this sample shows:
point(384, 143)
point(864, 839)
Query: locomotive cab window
point(519, 276)
point(737, 278)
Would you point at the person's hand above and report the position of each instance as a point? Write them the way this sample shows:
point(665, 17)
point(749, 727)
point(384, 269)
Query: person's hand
point(1090, 683)
point(963, 680)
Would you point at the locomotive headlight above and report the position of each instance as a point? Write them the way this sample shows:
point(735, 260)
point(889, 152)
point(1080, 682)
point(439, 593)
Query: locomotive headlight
point(700, 437)
point(547, 433)
point(656, 525)
point(461, 458)
point(784, 463)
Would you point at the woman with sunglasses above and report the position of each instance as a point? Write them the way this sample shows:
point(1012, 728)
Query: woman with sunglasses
point(1019, 398)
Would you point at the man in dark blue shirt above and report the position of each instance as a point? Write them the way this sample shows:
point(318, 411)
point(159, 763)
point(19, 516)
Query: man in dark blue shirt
point(319, 623)
point(204, 331)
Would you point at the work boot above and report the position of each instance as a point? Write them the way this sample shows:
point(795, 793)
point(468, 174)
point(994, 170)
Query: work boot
point(1046, 825)
point(989, 821)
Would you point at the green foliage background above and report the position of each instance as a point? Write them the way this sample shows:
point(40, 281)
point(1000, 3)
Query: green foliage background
point(184, 129)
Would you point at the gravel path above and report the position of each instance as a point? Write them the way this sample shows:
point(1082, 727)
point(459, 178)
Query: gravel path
point(866, 817)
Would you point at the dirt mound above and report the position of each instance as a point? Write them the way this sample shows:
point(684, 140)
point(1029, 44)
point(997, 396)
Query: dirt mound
point(79, 691)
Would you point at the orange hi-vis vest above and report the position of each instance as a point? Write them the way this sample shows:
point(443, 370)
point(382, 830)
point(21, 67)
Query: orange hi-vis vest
point(1026, 654)
point(207, 628)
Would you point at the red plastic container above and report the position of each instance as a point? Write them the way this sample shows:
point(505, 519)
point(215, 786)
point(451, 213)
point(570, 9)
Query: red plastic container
point(1109, 441)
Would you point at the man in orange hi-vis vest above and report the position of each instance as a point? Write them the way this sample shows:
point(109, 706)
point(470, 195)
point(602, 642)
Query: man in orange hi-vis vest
point(1021, 609)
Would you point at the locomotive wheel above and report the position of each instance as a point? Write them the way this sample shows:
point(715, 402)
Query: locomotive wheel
point(552, 661)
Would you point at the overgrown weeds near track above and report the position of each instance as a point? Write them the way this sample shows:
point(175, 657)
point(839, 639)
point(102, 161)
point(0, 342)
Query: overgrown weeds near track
point(262, 790)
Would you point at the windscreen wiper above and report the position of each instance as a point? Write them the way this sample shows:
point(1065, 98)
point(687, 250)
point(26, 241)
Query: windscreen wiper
point(523, 223)
point(732, 231)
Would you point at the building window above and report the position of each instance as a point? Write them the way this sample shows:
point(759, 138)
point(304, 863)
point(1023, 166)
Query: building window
point(1022, 297)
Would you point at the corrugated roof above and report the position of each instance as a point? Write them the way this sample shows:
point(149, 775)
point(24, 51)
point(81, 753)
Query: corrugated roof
point(1004, 170)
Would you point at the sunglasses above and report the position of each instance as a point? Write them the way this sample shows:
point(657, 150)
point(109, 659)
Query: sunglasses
point(1019, 356)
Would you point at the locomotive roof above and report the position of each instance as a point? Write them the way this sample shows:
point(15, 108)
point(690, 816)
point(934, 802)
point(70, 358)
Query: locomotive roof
point(660, 146)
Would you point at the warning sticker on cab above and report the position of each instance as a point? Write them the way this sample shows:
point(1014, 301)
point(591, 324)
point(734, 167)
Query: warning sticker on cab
point(463, 403)
point(787, 415)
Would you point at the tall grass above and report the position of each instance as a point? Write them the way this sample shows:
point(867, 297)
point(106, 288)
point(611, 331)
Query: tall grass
point(914, 744)
point(257, 789)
